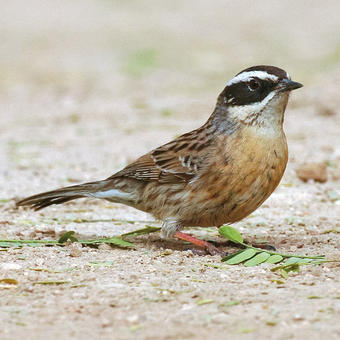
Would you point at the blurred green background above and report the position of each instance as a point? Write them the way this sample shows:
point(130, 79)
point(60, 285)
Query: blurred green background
point(176, 45)
point(86, 86)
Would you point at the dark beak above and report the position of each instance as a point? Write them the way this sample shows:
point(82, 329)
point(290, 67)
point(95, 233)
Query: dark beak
point(288, 85)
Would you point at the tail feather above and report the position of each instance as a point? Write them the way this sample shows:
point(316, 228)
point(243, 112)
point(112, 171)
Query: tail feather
point(62, 195)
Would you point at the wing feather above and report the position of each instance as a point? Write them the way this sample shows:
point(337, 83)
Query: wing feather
point(177, 161)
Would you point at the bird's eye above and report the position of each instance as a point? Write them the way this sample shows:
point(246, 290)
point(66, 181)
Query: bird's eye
point(254, 84)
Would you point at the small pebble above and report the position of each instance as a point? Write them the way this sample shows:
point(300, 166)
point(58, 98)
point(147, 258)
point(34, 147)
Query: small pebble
point(105, 323)
point(314, 240)
point(104, 246)
point(220, 318)
point(314, 171)
point(298, 317)
point(75, 250)
point(326, 111)
point(133, 318)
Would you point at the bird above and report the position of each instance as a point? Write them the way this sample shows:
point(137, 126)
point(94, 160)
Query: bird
point(216, 174)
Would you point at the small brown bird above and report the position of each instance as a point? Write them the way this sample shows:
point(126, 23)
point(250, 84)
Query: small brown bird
point(216, 174)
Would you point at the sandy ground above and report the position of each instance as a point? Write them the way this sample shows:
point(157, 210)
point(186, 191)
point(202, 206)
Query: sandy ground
point(86, 87)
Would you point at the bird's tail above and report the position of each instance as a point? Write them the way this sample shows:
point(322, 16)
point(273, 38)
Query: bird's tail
point(63, 195)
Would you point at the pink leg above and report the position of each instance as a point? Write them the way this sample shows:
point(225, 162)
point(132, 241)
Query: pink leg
point(211, 249)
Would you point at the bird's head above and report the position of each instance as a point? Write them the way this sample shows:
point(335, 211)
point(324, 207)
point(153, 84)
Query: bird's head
point(257, 96)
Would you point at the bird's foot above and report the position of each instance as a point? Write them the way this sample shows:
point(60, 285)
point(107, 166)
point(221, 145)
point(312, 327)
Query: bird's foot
point(207, 247)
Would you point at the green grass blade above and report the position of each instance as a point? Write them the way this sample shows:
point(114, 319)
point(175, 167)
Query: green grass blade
point(147, 230)
point(31, 243)
point(50, 282)
point(117, 241)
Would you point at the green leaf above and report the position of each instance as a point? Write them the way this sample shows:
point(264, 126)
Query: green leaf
point(241, 256)
point(295, 267)
point(274, 259)
point(224, 259)
point(67, 236)
point(231, 234)
point(258, 259)
point(284, 273)
point(292, 260)
point(286, 268)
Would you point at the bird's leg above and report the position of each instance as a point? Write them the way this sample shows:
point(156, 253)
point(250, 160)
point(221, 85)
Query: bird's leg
point(210, 248)
point(170, 228)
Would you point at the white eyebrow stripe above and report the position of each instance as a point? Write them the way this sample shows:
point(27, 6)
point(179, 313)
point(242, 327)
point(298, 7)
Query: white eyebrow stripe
point(245, 76)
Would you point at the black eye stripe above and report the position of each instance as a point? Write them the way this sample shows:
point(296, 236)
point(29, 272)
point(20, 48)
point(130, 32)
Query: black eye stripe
point(243, 93)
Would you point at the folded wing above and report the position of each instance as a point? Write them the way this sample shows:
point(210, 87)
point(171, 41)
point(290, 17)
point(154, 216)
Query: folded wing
point(177, 161)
